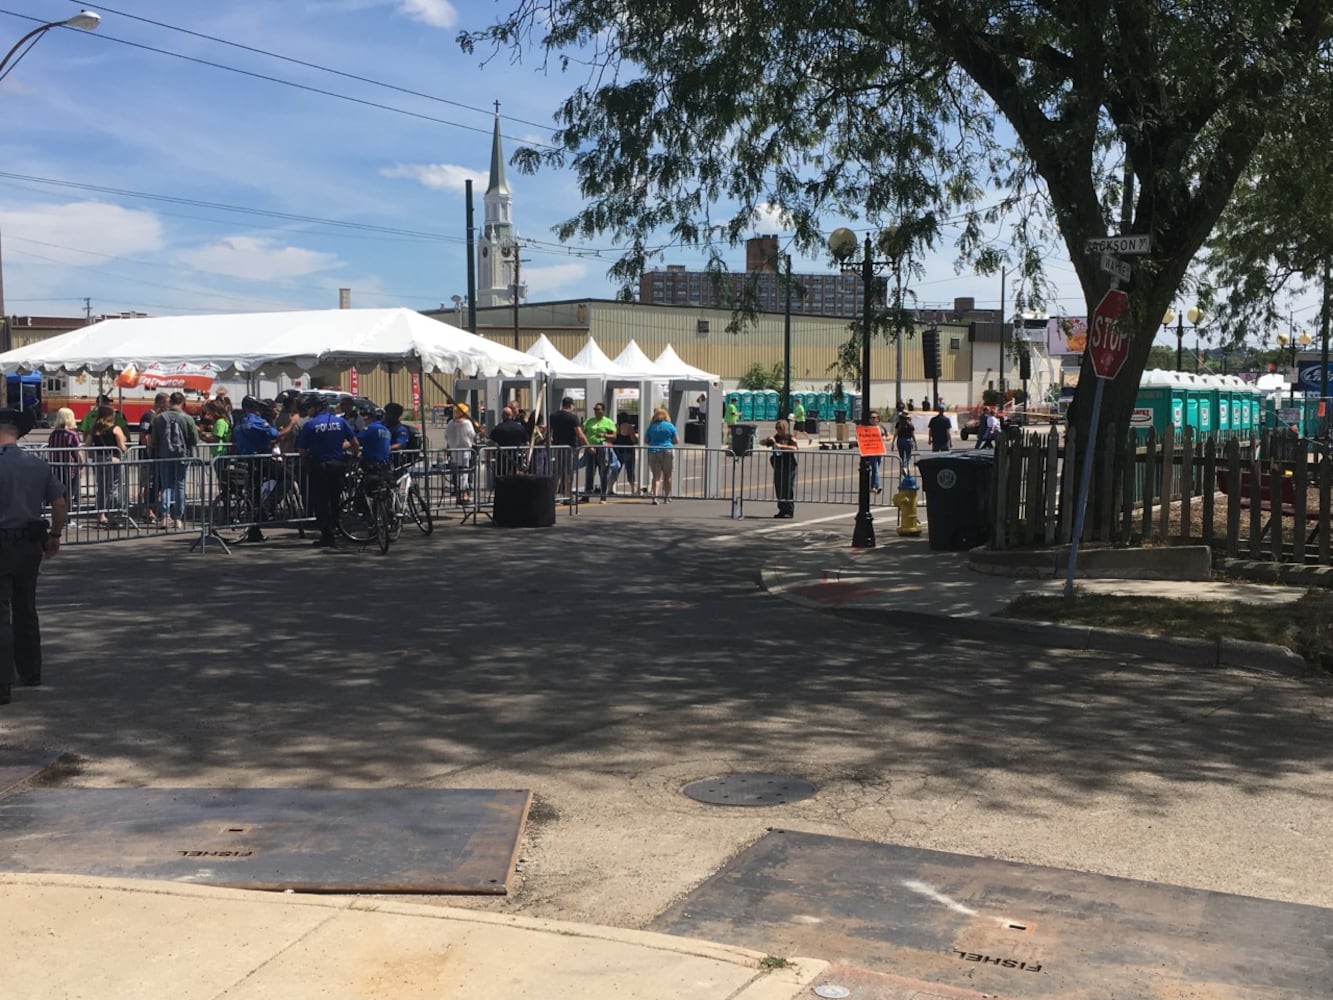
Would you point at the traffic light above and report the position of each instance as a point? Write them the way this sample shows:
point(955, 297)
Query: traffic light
point(930, 347)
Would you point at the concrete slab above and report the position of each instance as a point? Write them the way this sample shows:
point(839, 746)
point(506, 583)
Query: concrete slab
point(121, 940)
point(307, 840)
point(21, 765)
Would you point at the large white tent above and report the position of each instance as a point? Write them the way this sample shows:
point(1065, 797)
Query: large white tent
point(670, 361)
point(249, 342)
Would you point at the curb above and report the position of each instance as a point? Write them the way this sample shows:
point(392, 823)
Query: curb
point(1239, 654)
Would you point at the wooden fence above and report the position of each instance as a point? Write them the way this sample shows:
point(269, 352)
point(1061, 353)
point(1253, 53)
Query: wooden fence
point(1266, 498)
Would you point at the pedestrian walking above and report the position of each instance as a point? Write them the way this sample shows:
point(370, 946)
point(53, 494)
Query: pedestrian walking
point(940, 431)
point(27, 487)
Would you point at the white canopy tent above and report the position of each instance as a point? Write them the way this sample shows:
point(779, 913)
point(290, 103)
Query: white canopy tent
point(248, 342)
point(486, 395)
point(670, 361)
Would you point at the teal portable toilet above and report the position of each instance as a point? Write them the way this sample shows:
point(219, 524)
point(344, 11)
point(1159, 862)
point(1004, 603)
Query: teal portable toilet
point(773, 405)
point(1222, 421)
point(733, 397)
point(747, 406)
point(825, 406)
point(1154, 406)
point(1192, 398)
point(1206, 389)
point(1177, 400)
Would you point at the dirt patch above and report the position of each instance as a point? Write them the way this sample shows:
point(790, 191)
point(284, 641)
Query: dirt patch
point(1302, 625)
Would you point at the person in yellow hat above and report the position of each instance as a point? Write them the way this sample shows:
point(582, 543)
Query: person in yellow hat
point(460, 436)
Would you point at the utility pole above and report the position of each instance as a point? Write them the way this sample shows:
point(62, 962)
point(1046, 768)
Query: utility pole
point(471, 260)
point(786, 351)
point(1004, 273)
point(87, 310)
point(516, 287)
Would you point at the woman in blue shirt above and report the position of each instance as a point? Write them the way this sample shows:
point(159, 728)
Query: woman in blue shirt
point(660, 437)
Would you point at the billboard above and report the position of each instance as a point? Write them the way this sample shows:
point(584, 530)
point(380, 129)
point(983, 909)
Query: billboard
point(1067, 335)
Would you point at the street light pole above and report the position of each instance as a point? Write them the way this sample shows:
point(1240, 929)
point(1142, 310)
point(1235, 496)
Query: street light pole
point(842, 244)
point(786, 350)
point(84, 19)
point(1194, 312)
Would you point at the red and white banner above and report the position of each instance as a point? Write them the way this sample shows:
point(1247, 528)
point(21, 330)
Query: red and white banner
point(192, 377)
point(353, 382)
point(416, 392)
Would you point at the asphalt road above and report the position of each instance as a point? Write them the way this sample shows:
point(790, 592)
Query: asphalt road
point(610, 660)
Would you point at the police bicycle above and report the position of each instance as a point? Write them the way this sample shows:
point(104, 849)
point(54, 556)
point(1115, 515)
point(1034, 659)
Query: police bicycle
point(408, 500)
point(366, 509)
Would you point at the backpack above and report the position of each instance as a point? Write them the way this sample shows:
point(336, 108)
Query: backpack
point(413, 442)
point(172, 442)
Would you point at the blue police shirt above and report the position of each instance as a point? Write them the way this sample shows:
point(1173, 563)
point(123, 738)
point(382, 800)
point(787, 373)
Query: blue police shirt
point(401, 435)
point(375, 440)
point(254, 435)
point(323, 437)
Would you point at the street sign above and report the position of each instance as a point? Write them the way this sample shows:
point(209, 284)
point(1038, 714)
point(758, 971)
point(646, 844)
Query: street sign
point(1108, 344)
point(1131, 244)
point(1116, 267)
point(870, 440)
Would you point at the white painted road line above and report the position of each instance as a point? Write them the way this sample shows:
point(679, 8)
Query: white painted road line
point(787, 526)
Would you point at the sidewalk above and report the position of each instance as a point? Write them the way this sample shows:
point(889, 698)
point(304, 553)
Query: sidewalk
point(903, 582)
point(106, 939)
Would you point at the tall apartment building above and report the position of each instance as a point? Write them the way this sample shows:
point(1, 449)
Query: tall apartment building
point(832, 294)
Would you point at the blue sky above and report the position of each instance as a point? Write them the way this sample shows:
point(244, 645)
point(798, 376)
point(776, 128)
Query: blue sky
point(115, 123)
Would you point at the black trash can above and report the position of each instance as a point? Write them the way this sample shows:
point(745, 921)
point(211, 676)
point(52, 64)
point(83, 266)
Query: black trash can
point(524, 502)
point(958, 498)
point(742, 439)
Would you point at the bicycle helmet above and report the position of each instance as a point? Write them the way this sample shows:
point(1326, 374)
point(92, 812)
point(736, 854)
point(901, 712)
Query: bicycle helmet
point(250, 403)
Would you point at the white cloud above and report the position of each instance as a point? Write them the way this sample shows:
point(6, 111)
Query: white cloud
point(256, 259)
point(548, 281)
point(436, 13)
point(443, 176)
point(58, 232)
point(769, 218)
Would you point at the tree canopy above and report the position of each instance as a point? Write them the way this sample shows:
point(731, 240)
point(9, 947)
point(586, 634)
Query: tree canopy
point(1022, 122)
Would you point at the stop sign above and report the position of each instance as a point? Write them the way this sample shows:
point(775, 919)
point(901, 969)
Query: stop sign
point(1108, 344)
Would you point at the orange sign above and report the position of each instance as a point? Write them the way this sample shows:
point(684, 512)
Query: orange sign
point(870, 440)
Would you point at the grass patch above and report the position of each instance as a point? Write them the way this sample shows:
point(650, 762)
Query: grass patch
point(1302, 625)
point(771, 962)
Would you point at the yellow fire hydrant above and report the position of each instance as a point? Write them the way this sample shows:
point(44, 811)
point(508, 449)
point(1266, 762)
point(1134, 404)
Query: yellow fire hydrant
point(905, 501)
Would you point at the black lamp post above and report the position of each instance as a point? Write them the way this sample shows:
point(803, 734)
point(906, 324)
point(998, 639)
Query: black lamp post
point(1194, 313)
point(842, 244)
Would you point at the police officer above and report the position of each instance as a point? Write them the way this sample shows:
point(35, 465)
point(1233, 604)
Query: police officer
point(321, 443)
point(26, 486)
point(254, 435)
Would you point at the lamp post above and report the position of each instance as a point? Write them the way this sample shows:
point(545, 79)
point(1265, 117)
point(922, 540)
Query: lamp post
point(786, 349)
point(1194, 312)
point(1294, 342)
point(842, 244)
point(84, 19)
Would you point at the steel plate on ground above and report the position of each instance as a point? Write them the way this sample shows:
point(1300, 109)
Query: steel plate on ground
point(399, 840)
point(1019, 931)
point(20, 765)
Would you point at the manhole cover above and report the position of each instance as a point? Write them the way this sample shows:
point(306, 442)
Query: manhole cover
point(749, 790)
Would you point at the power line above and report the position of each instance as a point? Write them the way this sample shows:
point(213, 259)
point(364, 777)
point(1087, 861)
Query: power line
point(311, 65)
point(219, 206)
point(286, 83)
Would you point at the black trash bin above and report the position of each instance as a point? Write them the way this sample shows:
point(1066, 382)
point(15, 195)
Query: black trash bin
point(958, 498)
point(742, 439)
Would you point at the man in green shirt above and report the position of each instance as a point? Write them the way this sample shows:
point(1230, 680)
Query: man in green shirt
point(798, 419)
point(600, 431)
point(730, 416)
point(89, 418)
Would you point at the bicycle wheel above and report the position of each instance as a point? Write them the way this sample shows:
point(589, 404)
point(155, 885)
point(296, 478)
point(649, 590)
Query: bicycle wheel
point(356, 520)
point(382, 515)
point(420, 510)
point(393, 502)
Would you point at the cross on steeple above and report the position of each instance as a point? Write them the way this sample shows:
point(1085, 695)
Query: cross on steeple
point(497, 108)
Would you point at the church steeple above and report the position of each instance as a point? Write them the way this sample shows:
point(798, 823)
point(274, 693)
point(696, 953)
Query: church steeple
point(498, 184)
point(497, 253)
